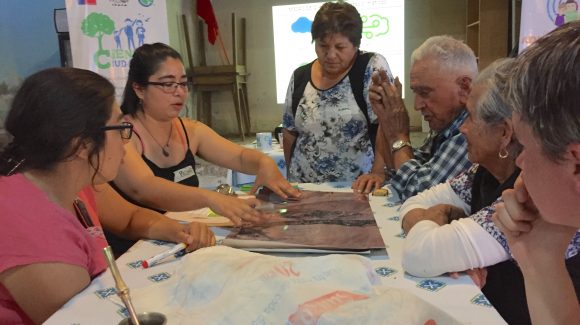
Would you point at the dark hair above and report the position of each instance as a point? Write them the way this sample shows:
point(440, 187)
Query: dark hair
point(543, 89)
point(52, 108)
point(337, 17)
point(145, 62)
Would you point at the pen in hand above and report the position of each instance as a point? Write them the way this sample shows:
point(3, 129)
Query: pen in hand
point(175, 250)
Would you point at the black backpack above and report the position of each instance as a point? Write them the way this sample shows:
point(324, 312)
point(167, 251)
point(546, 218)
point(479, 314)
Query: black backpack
point(356, 77)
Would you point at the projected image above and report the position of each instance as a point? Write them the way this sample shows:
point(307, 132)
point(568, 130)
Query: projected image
point(383, 32)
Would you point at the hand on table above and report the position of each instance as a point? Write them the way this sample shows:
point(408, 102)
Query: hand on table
point(531, 238)
point(270, 177)
point(477, 275)
point(368, 182)
point(387, 102)
point(235, 209)
point(196, 235)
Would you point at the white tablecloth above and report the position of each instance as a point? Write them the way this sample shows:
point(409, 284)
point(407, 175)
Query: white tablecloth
point(458, 297)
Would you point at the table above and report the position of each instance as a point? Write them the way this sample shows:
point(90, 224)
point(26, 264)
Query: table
point(458, 297)
point(277, 153)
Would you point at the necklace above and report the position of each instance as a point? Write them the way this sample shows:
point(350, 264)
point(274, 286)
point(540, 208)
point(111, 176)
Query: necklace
point(165, 148)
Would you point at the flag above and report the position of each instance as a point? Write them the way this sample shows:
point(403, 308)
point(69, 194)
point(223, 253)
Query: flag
point(205, 11)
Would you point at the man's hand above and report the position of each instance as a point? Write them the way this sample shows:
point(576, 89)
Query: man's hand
point(387, 103)
point(368, 182)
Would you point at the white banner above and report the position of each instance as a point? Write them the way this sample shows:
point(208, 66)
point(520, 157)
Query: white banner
point(105, 33)
point(541, 16)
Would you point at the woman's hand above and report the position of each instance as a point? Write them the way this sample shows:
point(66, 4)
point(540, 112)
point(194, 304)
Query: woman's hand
point(444, 213)
point(237, 210)
point(269, 176)
point(196, 235)
point(532, 240)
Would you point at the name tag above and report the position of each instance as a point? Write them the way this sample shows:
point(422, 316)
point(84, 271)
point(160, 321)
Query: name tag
point(183, 173)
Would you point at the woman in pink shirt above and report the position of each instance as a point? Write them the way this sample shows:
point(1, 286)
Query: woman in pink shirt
point(68, 137)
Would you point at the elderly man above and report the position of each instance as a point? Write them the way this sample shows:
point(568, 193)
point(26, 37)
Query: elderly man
point(442, 69)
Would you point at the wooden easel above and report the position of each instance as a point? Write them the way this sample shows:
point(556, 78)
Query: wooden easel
point(207, 79)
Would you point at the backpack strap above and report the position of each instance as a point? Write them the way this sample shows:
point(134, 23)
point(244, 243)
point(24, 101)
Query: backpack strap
point(301, 79)
point(356, 75)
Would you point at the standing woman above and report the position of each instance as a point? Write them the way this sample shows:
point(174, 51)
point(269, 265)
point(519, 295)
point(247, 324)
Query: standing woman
point(67, 135)
point(164, 149)
point(327, 115)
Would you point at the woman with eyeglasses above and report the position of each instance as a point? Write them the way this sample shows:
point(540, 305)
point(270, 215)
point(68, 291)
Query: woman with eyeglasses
point(163, 151)
point(68, 141)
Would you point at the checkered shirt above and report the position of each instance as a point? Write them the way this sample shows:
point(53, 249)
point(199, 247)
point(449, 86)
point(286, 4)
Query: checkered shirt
point(427, 169)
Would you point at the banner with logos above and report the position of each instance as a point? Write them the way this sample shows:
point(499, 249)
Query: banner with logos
point(541, 16)
point(105, 33)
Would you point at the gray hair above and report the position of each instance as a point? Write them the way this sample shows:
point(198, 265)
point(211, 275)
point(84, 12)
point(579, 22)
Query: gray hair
point(491, 106)
point(544, 88)
point(452, 54)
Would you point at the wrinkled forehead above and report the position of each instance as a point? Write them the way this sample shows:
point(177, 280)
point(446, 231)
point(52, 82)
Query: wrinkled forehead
point(430, 73)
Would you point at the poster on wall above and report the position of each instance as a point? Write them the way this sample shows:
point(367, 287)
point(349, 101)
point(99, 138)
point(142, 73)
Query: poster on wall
point(105, 33)
point(541, 16)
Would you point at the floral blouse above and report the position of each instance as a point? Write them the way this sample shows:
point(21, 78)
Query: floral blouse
point(333, 143)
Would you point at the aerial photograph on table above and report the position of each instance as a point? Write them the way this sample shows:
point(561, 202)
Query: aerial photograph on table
point(320, 220)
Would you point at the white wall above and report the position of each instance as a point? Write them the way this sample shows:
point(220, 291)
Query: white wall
point(423, 18)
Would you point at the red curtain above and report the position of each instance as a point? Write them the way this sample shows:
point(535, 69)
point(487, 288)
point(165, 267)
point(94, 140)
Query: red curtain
point(205, 11)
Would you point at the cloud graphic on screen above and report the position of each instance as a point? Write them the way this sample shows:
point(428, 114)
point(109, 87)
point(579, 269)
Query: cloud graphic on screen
point(302, 25)
point(375, 25)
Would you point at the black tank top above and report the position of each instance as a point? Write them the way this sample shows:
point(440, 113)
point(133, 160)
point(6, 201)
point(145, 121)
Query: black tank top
point(182, 173)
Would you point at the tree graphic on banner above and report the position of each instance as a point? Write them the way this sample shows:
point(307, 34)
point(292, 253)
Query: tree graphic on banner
point(97, 25)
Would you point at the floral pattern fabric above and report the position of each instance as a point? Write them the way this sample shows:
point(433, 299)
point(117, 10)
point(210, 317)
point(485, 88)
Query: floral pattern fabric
point(333, 143)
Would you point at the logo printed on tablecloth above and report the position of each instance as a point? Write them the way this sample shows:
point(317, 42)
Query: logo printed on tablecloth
point(159, 277)
point(385, 271)
point(104, 293)
point(431, 285)
point(161, 243)
point(481, 300)
point(135, 265)
point(401, 234)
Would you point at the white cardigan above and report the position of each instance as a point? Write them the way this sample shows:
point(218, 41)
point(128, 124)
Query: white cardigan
point(431, 250)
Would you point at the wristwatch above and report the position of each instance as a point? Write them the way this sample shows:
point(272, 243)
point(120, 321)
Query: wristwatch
point(400, 144)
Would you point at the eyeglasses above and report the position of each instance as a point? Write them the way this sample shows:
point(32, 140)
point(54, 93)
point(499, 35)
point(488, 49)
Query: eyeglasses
point(171, 87)
point(125, 128)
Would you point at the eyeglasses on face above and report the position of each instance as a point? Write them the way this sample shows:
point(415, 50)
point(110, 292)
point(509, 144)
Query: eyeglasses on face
point(170, 87)
point(125, 128)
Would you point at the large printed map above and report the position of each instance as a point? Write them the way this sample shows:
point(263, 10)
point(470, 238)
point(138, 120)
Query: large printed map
point(320, 220)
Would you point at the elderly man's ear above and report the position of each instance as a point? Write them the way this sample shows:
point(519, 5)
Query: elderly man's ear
point(464, 83)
